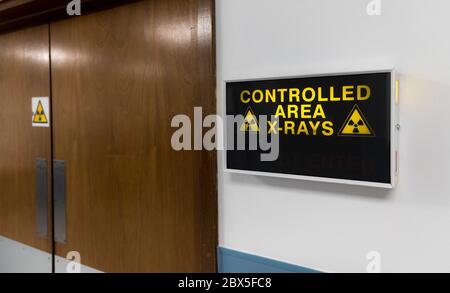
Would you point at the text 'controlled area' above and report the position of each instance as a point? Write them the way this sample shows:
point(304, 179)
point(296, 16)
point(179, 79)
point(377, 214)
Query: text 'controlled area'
point(302, 110)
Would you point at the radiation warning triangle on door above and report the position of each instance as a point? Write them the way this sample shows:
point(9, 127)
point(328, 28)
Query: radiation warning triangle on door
point(356, 124)
point(39, 115)
point(250, 122)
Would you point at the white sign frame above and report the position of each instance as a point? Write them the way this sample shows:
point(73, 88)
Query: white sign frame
point(394, 152)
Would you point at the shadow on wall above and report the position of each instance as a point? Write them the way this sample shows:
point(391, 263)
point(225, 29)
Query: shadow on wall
point(316, 187)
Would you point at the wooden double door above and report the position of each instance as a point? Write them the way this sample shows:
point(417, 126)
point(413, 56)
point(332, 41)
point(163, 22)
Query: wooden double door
point(116, 192)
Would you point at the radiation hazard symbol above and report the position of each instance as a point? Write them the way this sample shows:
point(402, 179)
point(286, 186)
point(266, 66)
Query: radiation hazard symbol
point(41, 112)
point(356, 125)
point(250, 122)
point(39, 115)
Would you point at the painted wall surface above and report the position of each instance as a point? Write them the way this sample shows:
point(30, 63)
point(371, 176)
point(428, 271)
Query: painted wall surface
point(332, 227)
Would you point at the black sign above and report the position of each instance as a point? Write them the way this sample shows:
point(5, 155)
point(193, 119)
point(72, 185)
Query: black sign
point(336, 127)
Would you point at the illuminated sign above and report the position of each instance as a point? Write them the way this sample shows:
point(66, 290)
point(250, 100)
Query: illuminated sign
point(335, 128)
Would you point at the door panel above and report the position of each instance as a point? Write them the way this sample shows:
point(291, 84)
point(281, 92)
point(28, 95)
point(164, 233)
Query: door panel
point(119, 76)
point(24, 73)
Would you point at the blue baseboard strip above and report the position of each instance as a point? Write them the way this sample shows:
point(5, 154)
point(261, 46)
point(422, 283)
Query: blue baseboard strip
point(232, 261)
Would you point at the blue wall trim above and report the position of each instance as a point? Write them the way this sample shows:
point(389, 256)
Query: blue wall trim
point(232, 261)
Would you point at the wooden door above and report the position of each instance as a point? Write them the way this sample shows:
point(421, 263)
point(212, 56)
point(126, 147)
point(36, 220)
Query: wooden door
point(119, 76)
point(24, 73)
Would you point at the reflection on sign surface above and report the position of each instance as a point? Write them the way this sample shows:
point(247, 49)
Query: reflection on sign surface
point(336, 127)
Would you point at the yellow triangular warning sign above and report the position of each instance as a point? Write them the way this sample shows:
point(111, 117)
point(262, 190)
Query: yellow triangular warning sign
point(356, 124)
point(250, 122)
point(39, 115)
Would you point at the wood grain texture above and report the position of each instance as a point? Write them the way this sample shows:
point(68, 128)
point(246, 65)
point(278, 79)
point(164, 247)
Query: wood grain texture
point(119, 76)
point(24, 73)
point(15, 14)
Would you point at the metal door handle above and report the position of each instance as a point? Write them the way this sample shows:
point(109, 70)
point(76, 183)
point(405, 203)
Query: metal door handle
point(41, 197)
point(59, 203)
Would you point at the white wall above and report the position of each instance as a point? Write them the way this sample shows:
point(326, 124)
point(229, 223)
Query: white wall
point(332, 227)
